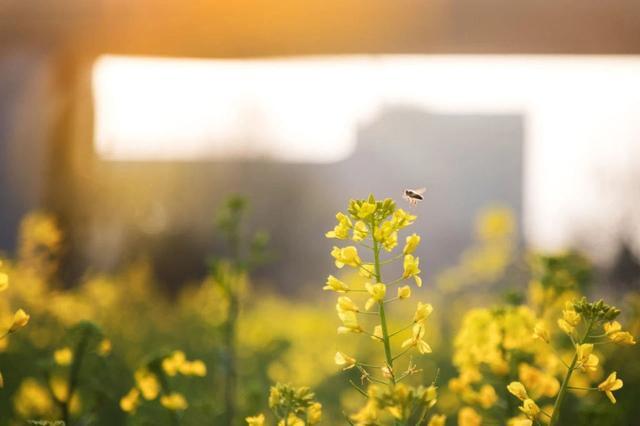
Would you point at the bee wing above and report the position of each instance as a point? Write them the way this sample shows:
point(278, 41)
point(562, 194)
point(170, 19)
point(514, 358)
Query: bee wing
point(420, 191)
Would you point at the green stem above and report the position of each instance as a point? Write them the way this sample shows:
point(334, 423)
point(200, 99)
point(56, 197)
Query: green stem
point(383, 318)
point(555, 416)
point(74, 374)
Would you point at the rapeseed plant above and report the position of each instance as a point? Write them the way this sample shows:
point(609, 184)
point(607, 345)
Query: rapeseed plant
point(374, 226)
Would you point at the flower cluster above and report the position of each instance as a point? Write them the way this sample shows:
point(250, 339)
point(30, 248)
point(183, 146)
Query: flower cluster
point(578, 321)
point(375, 226)
point(291, 407)
point(151, 381)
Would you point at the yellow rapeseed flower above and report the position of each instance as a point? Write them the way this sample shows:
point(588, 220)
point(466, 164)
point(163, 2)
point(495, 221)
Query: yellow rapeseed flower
point(344, 360)
point(365, 209)
point(20, 319)
point(147, 383)
point(360, 231)
point(437, 420)
point(402, 219)
point(336, 285)
point(193, 368)
point(416, 339)
point(467, 416)
point(314, 413)
point(587, 361)
point(412, 242)
point(63, 356)
point(341, 230)
point(612, 383)
point(174, 401)
point(346, 256)
point(530, 408)
point(130, 401)
point(377, 293)
point(518, 390)
point(422, 312)
point(171, 364)
point(255, 420)
point(541, 332)
point(411, 269)
point(613, 329)
point(345, 304)
point(404, 292)
point(349, 323)
point(487, 396)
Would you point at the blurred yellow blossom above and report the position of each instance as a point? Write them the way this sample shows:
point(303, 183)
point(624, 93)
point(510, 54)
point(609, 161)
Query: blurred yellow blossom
point(467, 416)
point(255, 420)
point(104, 348)
point(344, 360)
point(437, 420)
point(130, 401)
point(518, 390)
point(174, 401)
point(20, 319)
point(530, 408)
point(147, 383)
point(63, 356)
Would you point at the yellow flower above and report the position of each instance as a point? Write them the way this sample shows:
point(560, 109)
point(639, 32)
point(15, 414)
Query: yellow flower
point(292, 420)
point(174, 402)
point(350, 323)
point(622, 338)
point(587, 361)
point(346, 256)
point(517, 421)
point(147, 383)
point(104, 348)
point(314, 413)
point(540, 332)
point(411, 269)
point(365, 209)
point(171, 364)
point(341, 230)
point(613, 329)
point(518, 390)
point(336, 285)
point(412, 242)
point(390, 242)
point(63, 356)
point(4, 281)
point(437, 420)
point(565, 326)
point(571, 316)
point(20, 319)
point(495, 223)
point(416, 339)
point(130, 401)
point(530, 408)
point(255, 420)
point(422, 312)
point(609, 385)
point(377, 293)
point(467, 416)
point(344, 360)
point(538, 382)
point(345, 304)
point(487, 396)
point(402, 219)
point(360, 231)
point(404, 292)
point(193, 368)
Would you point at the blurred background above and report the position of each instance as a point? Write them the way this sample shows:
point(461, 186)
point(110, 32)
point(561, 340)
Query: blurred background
point(132, 123)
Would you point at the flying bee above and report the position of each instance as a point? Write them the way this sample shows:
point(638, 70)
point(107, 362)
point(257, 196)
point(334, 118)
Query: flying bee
point(413, 195)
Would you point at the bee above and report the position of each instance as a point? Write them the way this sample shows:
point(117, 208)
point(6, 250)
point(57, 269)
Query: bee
point(413, 195)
